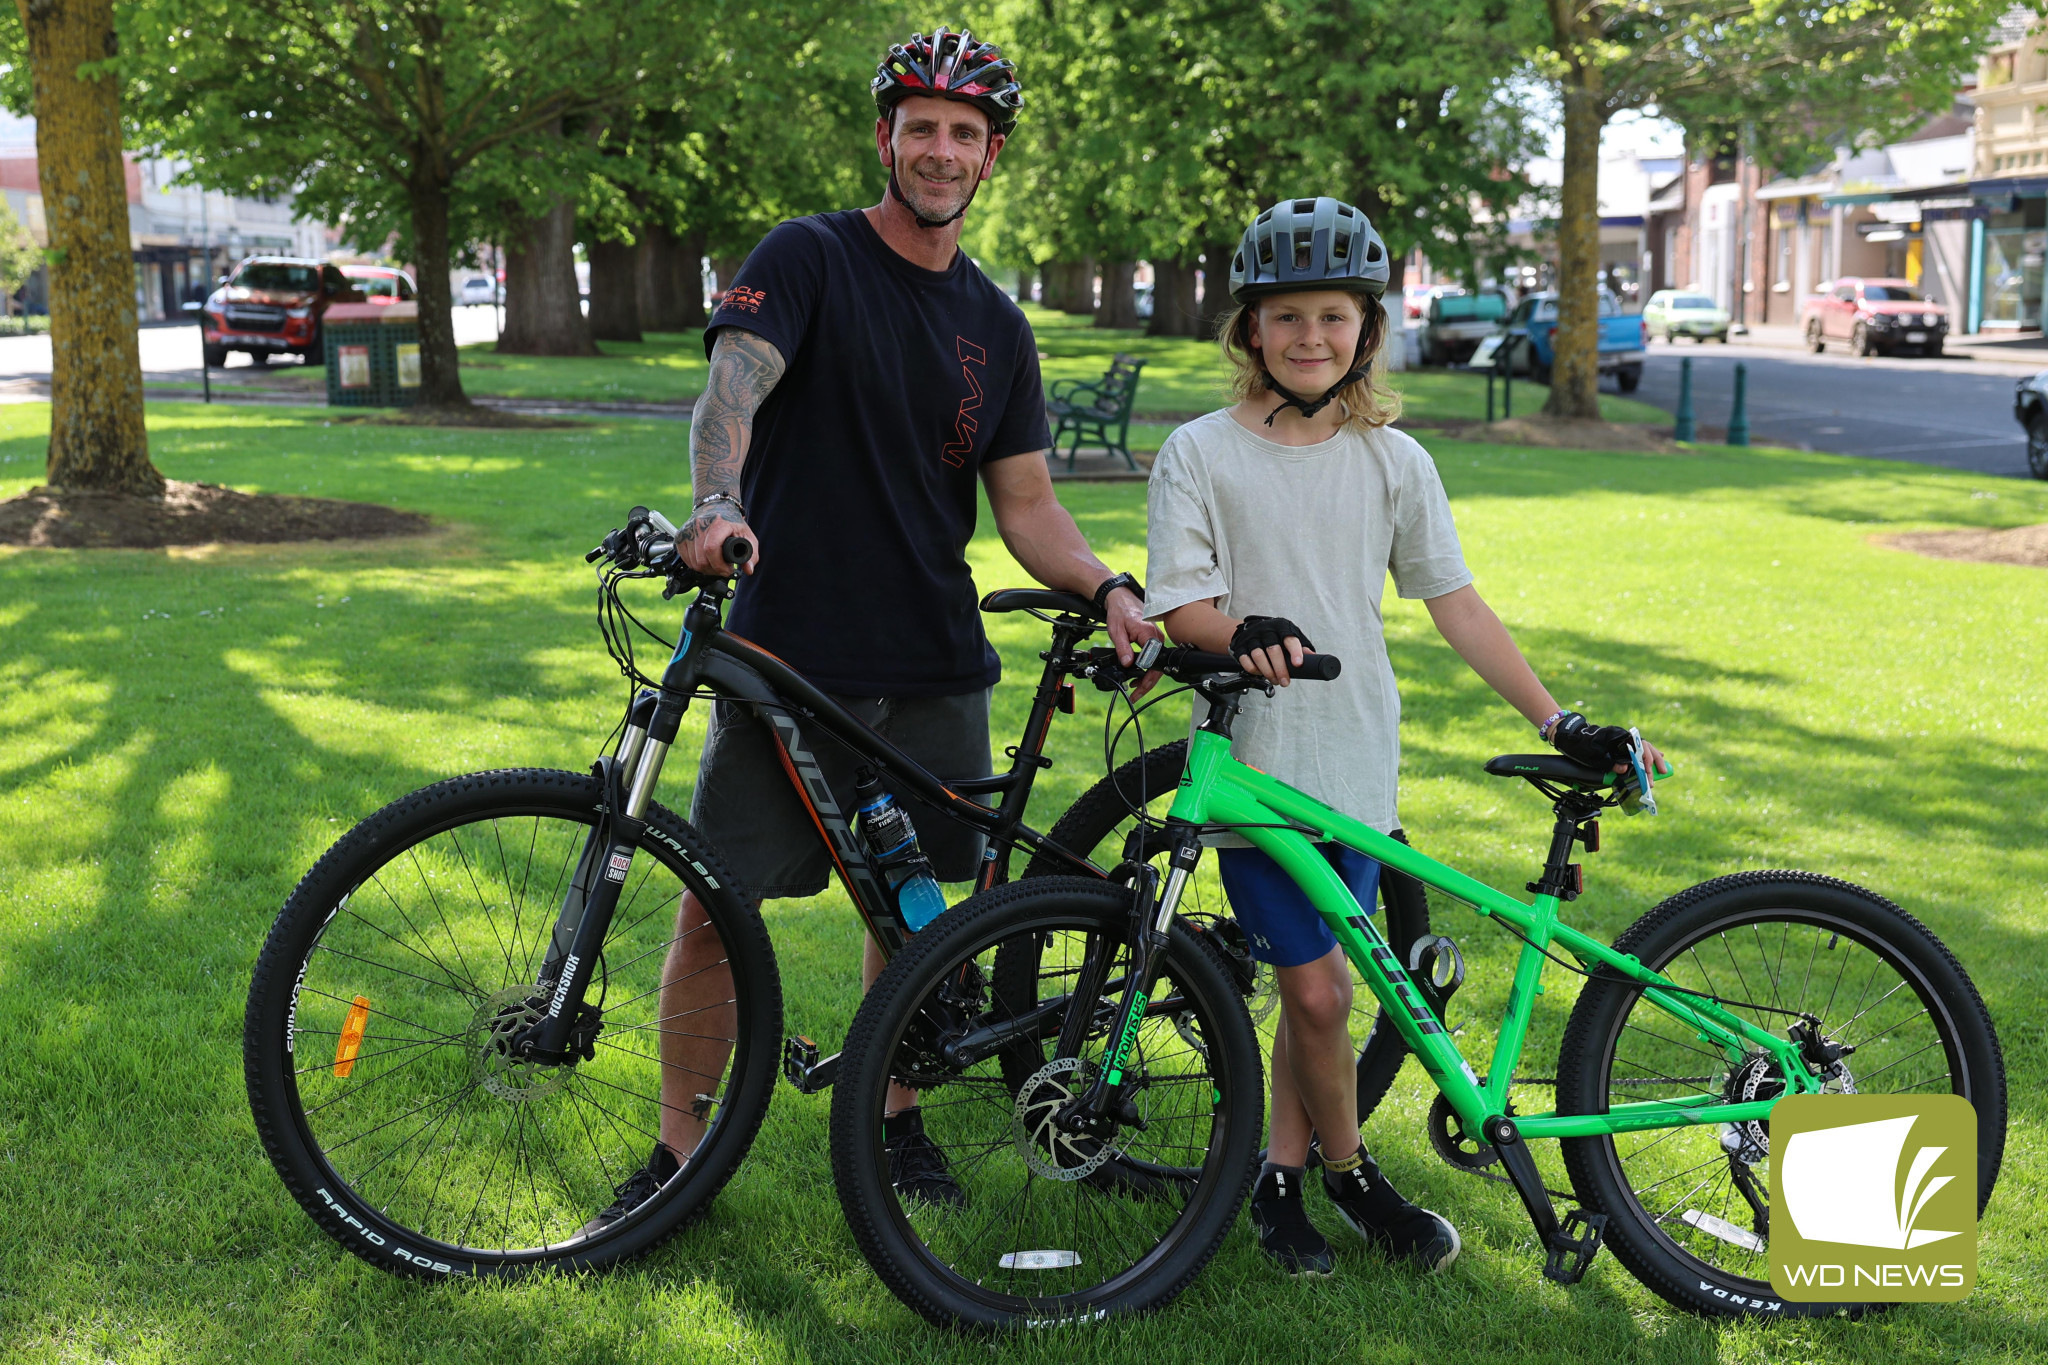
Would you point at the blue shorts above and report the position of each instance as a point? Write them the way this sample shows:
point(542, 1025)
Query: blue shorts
point(1283, 926)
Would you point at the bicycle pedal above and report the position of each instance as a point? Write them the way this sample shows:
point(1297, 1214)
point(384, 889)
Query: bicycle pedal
point(804, 1069)
point(1568, 1256)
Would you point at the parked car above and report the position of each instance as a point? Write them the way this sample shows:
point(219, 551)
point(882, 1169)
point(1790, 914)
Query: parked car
point(1141, 301)
point(1532, 336)
point(478, 289)
point(380, 284)
point(1674, 313)
point(1417, 297)
point(1457, 323)
point(1873, 316)
point(273, 305)
point(2030, 406)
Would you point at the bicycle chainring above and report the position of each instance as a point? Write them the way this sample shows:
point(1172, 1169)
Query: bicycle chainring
point(1447, 1135)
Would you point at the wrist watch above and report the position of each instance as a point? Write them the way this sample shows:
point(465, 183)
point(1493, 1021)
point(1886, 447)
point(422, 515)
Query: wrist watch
point(1110, 585)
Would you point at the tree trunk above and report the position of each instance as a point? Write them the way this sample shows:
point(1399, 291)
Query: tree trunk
point(543, 308)
point(1216, 302)
point(688, 273)
point(440, 366)
point(1119, 296)
point(654, 276)
point(96, 432)
point(1081, 301)
point(1023, 284)
point(1575, 368)
point(1395, 343)
point(614, 291)
point(1173, 300)
point(724, 270)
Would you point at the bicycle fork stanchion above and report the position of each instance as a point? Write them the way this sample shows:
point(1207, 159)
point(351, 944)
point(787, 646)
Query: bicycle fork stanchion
point(1682, 428)
point(1098, 1109)
point(1738, 419)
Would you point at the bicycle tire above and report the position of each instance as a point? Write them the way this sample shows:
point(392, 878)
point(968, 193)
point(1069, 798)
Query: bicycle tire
point(335, 928)
point(1186, 1224)
point(1669, 1252)
point(1096, 823)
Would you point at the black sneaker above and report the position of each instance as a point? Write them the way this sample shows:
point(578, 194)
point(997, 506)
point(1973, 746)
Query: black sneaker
point(1285, 1234)
point(917, 1165)
point(1378, 1213)
point(640, 1187)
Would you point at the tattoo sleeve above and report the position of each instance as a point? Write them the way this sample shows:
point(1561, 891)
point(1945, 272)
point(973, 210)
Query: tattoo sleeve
point(744, 370)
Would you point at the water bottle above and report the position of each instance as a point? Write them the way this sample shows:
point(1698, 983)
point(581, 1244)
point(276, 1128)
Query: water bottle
point(892, 843)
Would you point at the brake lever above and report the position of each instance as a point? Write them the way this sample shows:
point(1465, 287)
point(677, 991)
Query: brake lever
point(1643, 800)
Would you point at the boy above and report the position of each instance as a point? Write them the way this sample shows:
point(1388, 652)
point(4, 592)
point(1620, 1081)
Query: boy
point(1304, 506)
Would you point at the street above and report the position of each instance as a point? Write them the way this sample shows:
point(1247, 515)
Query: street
point(170, 355)
point(1953, 411)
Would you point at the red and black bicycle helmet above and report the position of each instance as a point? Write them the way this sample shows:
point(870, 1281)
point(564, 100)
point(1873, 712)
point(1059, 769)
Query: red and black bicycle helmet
point(951, 66)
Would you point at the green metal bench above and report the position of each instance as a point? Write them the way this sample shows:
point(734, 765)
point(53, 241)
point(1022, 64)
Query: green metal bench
point(1098, 411)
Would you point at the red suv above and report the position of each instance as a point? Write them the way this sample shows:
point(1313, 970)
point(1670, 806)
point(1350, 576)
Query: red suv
point(1873, 316)
point(273, 305)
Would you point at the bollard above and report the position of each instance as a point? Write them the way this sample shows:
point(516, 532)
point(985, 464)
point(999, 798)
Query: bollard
point(1507, 385)
point(1738, 420)
point(1489, 397)
point(1682, 429)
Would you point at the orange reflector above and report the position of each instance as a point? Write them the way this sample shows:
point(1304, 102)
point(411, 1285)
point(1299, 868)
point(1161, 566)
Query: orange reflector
point(351, 1037)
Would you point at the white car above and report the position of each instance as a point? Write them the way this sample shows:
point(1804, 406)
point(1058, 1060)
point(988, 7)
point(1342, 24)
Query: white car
point(477, 289)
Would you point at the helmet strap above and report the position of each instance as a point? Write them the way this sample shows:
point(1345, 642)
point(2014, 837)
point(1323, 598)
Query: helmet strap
point(1310, 407)
point(896, 190)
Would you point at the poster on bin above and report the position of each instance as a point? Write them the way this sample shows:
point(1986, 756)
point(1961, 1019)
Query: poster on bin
point(409, 365)
point(355, 367)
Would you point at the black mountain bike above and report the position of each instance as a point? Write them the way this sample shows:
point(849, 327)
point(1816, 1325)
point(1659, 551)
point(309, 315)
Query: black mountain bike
point(453, 1042)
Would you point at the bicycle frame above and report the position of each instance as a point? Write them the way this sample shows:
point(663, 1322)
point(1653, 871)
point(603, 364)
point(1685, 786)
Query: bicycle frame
point(1220, 790)
point(735, 669)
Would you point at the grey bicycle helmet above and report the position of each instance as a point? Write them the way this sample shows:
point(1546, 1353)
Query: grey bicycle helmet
point(1301, 244)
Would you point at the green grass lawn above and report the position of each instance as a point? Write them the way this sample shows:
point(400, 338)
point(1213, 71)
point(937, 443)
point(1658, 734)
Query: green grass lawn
point(185, 732)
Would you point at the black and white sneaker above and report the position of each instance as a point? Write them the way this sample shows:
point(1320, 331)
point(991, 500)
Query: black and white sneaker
point(917, 1165)
point(1285, 1233)
point(1378, 1213)
point(640, 1187)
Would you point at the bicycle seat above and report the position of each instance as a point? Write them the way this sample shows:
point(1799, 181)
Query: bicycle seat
point(1555, 767)
point(1041, 599)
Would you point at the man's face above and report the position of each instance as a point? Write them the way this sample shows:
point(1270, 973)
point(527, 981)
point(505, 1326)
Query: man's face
point(939, 149)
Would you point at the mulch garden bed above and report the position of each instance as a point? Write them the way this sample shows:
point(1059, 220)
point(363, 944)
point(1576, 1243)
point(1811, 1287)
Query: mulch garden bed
point(191, 514)
point(2026, 545)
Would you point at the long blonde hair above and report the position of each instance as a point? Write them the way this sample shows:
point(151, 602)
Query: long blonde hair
point(1365, 405)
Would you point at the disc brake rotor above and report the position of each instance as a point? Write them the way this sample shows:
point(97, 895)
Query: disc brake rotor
point(1048, 1151)
point(500, 1019)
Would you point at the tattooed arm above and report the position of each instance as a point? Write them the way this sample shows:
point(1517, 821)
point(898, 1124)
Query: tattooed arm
point(744, 369)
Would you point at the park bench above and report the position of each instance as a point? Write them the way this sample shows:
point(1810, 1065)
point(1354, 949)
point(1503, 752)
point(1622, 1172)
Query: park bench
point(1089, 409)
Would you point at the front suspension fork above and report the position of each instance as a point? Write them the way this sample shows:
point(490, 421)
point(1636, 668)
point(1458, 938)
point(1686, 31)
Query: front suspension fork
point(1096, 1110)
point(630, 775)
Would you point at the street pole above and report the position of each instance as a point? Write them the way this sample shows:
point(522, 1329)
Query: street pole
point(1683, 429)
point(1738, 420)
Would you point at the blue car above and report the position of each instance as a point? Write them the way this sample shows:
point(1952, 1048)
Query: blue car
point(1532, 336)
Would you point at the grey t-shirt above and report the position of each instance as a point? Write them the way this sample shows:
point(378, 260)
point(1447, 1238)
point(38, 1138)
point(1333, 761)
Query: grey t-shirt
point(1309, 533)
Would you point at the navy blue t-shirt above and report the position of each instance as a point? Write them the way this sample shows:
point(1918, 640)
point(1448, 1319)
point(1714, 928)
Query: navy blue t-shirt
point(860, 478)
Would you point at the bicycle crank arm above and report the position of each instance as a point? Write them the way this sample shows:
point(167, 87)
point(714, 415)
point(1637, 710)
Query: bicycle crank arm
point(1565, 1256)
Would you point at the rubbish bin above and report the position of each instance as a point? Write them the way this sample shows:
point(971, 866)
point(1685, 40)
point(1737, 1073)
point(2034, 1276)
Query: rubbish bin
point(373, 354)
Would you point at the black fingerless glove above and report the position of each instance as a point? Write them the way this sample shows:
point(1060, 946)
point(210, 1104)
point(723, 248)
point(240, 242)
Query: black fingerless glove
point(1595, 746)
point(1261, 632)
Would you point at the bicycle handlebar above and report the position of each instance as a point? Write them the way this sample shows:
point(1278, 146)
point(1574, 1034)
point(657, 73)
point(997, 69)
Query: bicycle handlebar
point(649, 539)
point(1184, 663)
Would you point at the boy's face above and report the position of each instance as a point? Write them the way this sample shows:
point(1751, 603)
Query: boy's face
point(1308, 340)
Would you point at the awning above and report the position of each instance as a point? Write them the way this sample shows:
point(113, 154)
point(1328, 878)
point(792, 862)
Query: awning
point(1796, 189)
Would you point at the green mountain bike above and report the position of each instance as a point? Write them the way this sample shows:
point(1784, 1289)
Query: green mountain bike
point(1060, 1024)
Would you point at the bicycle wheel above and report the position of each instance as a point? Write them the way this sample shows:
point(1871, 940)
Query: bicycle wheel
point(1036, 1242)
point(1688, 1208)
point(1099, 825)
point(398, 967)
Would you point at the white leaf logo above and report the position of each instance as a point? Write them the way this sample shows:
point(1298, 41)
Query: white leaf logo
point(1842, 1185)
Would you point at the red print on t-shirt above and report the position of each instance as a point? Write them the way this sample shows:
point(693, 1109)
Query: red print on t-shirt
point(961, 446)
point(739, 296)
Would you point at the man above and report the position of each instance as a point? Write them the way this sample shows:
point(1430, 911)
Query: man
point(864, 373)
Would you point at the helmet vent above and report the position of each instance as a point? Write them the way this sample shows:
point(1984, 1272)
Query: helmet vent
point(1304, 253)
point(1340, 248)
point(1265, 251)
point(1372, 253)
point(1304, 206)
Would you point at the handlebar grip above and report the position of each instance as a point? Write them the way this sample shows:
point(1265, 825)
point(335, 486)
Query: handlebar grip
point(1314, 667)
point(737, 550)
